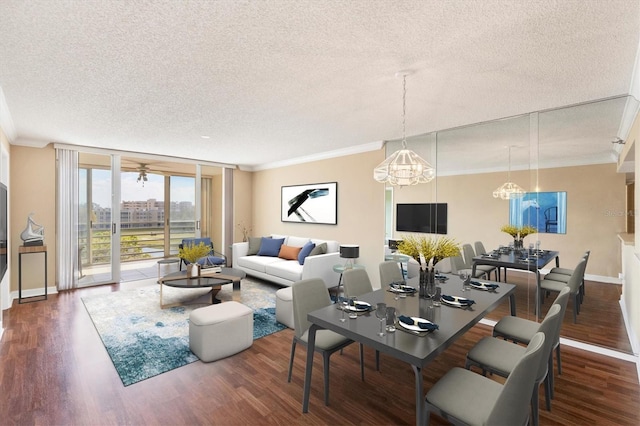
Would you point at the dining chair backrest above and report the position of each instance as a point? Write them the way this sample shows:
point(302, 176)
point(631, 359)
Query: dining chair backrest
point(578, 275)
point(390, 273)
point(308, 296)
point(512, 405)
point(549, 327)
point(356, 282)
point(479, 248)
point(468, 253)
point(457, 264)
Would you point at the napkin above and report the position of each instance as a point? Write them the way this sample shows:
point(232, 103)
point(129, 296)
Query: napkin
point(359, 306)
point(487, 285)
point(461, 300)
point(422, 325)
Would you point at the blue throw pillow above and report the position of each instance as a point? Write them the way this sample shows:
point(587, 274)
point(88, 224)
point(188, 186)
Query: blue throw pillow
point(306, 249)
point(270, 246)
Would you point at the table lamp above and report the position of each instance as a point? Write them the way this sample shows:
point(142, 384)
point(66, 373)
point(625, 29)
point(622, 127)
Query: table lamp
point(393, 245)
point(349, 252)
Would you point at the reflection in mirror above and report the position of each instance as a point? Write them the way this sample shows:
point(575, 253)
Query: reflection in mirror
point(544, 211)
point(564, 150)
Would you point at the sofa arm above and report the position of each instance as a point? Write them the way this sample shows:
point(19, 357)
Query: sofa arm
point(321, 266)
point(238, 250)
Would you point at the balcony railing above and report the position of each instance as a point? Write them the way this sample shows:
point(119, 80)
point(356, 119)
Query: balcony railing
point(138, 240)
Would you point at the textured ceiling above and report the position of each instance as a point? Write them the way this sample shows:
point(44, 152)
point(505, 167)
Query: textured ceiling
point(271, 81)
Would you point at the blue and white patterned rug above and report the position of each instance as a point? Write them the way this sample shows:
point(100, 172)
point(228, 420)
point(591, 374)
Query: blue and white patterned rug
point(144, 340)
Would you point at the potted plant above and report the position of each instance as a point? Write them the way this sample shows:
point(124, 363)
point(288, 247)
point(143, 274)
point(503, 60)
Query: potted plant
point(518, 233)
point(191, 253)
point(431, 248)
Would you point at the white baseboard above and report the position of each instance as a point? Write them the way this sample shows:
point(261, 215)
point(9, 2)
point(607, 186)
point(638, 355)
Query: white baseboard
point(34, 292)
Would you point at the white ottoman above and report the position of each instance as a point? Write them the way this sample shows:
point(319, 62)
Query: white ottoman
point(221, 330)
point(284, 307)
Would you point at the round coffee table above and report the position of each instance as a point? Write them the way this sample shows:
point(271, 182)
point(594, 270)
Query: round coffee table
point(214, 280)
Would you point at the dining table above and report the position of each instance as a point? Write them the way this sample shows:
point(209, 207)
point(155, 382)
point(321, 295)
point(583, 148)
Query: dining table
point(415, 348)
point(523, 259)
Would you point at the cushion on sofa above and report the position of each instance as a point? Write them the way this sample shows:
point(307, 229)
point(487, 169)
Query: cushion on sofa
point(257, 263)
point(254, 245)
point(319, 249)
point(270, 246)
point(289, 252)
point(304, 252)
point(297, 241)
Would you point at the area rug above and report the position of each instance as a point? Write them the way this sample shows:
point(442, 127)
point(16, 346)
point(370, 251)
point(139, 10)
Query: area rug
point(144, 340)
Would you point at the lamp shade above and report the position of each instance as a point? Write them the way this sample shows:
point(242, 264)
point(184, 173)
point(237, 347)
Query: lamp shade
point(350, 251)
point(393, 244)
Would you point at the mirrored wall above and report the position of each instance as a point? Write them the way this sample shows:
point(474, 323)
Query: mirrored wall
point(568, 151)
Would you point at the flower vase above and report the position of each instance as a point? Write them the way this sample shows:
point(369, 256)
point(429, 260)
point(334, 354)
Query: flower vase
point(518, 244)
point(193, 270)
point(424, 279)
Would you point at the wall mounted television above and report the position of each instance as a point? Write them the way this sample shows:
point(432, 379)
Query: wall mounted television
point(3, 231)
point(428, 218)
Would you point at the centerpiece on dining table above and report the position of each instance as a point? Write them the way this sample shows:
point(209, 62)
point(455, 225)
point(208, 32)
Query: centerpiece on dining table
point(518, 233)
point(428, 251)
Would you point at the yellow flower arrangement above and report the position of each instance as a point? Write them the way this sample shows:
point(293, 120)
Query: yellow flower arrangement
point(192, 252)
point(436, 248)
point(514, 231)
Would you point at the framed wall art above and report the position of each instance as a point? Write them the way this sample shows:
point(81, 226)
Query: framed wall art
point(545, 211)
point(312, 203)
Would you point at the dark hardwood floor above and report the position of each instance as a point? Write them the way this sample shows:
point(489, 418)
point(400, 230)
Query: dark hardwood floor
point(54, 370)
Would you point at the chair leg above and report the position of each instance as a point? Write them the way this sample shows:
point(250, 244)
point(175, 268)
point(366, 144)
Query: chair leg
point(535, 405)
point(550, 376)
point(575, 309)
point(293, 352)
point(547, 392)
point(558, 360)
point(362, 361)
point(325, 357)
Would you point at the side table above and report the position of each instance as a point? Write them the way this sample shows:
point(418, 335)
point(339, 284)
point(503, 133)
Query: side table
point(22, 250)
point(167, 261)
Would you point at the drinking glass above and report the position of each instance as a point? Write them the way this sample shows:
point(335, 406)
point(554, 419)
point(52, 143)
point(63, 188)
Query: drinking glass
point(464, 277)
point(395, 293)
point(436, 297)
point(381, 314)
point(352, 312)
point(391, 319)
point(431, 290)
point(344, 304)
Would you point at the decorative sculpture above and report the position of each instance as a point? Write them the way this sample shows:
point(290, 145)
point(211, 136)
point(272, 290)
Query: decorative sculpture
point(33, 235)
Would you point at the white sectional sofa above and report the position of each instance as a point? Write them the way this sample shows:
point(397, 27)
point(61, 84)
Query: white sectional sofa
point(287, 271)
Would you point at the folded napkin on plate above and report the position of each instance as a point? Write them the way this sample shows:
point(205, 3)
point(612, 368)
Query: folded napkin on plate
point(359, 306)
point(461, 300)
point(487, 285)
point(422, 325)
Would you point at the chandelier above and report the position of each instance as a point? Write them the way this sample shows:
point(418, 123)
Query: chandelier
point(404, 167)
point(142, 175)
point(509, 190)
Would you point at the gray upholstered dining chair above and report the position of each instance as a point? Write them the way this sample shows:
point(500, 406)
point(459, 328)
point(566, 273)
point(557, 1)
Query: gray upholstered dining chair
point(574, 286)
point(463, 397)
point(458, 266)
point(310, 295)
point(356, 282)
point(480, 250)
point(390, 273)
point(469, 254)
point(500, 357)
point(521, 330)
point(564, 274)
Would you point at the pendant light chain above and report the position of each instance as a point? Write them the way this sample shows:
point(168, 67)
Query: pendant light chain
point(404, 111)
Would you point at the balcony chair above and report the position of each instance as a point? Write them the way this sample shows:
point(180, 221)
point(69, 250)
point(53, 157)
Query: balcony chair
point(500, 357)
point(212, 259)
point(550, 218)
point(308, 296)
point(463, 397)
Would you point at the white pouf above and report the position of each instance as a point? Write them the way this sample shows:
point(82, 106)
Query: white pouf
point(284, 306)
point(221, 330)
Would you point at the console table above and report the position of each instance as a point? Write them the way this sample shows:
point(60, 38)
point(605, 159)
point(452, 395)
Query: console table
point(23, 250)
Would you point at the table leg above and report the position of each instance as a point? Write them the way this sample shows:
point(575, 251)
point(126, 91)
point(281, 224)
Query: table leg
point(512, 304)
point(311, 345)
point(419, 403)
point(538, 301)
point(557, 261)
point(473, 270)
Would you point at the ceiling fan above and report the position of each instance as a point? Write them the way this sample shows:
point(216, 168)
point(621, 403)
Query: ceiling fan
point(142, 173)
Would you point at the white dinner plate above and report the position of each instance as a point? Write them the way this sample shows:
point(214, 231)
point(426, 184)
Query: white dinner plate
point(354, 308)
point(481, 286)
point(415, 327)
point(403, 289)
point(455, 302)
